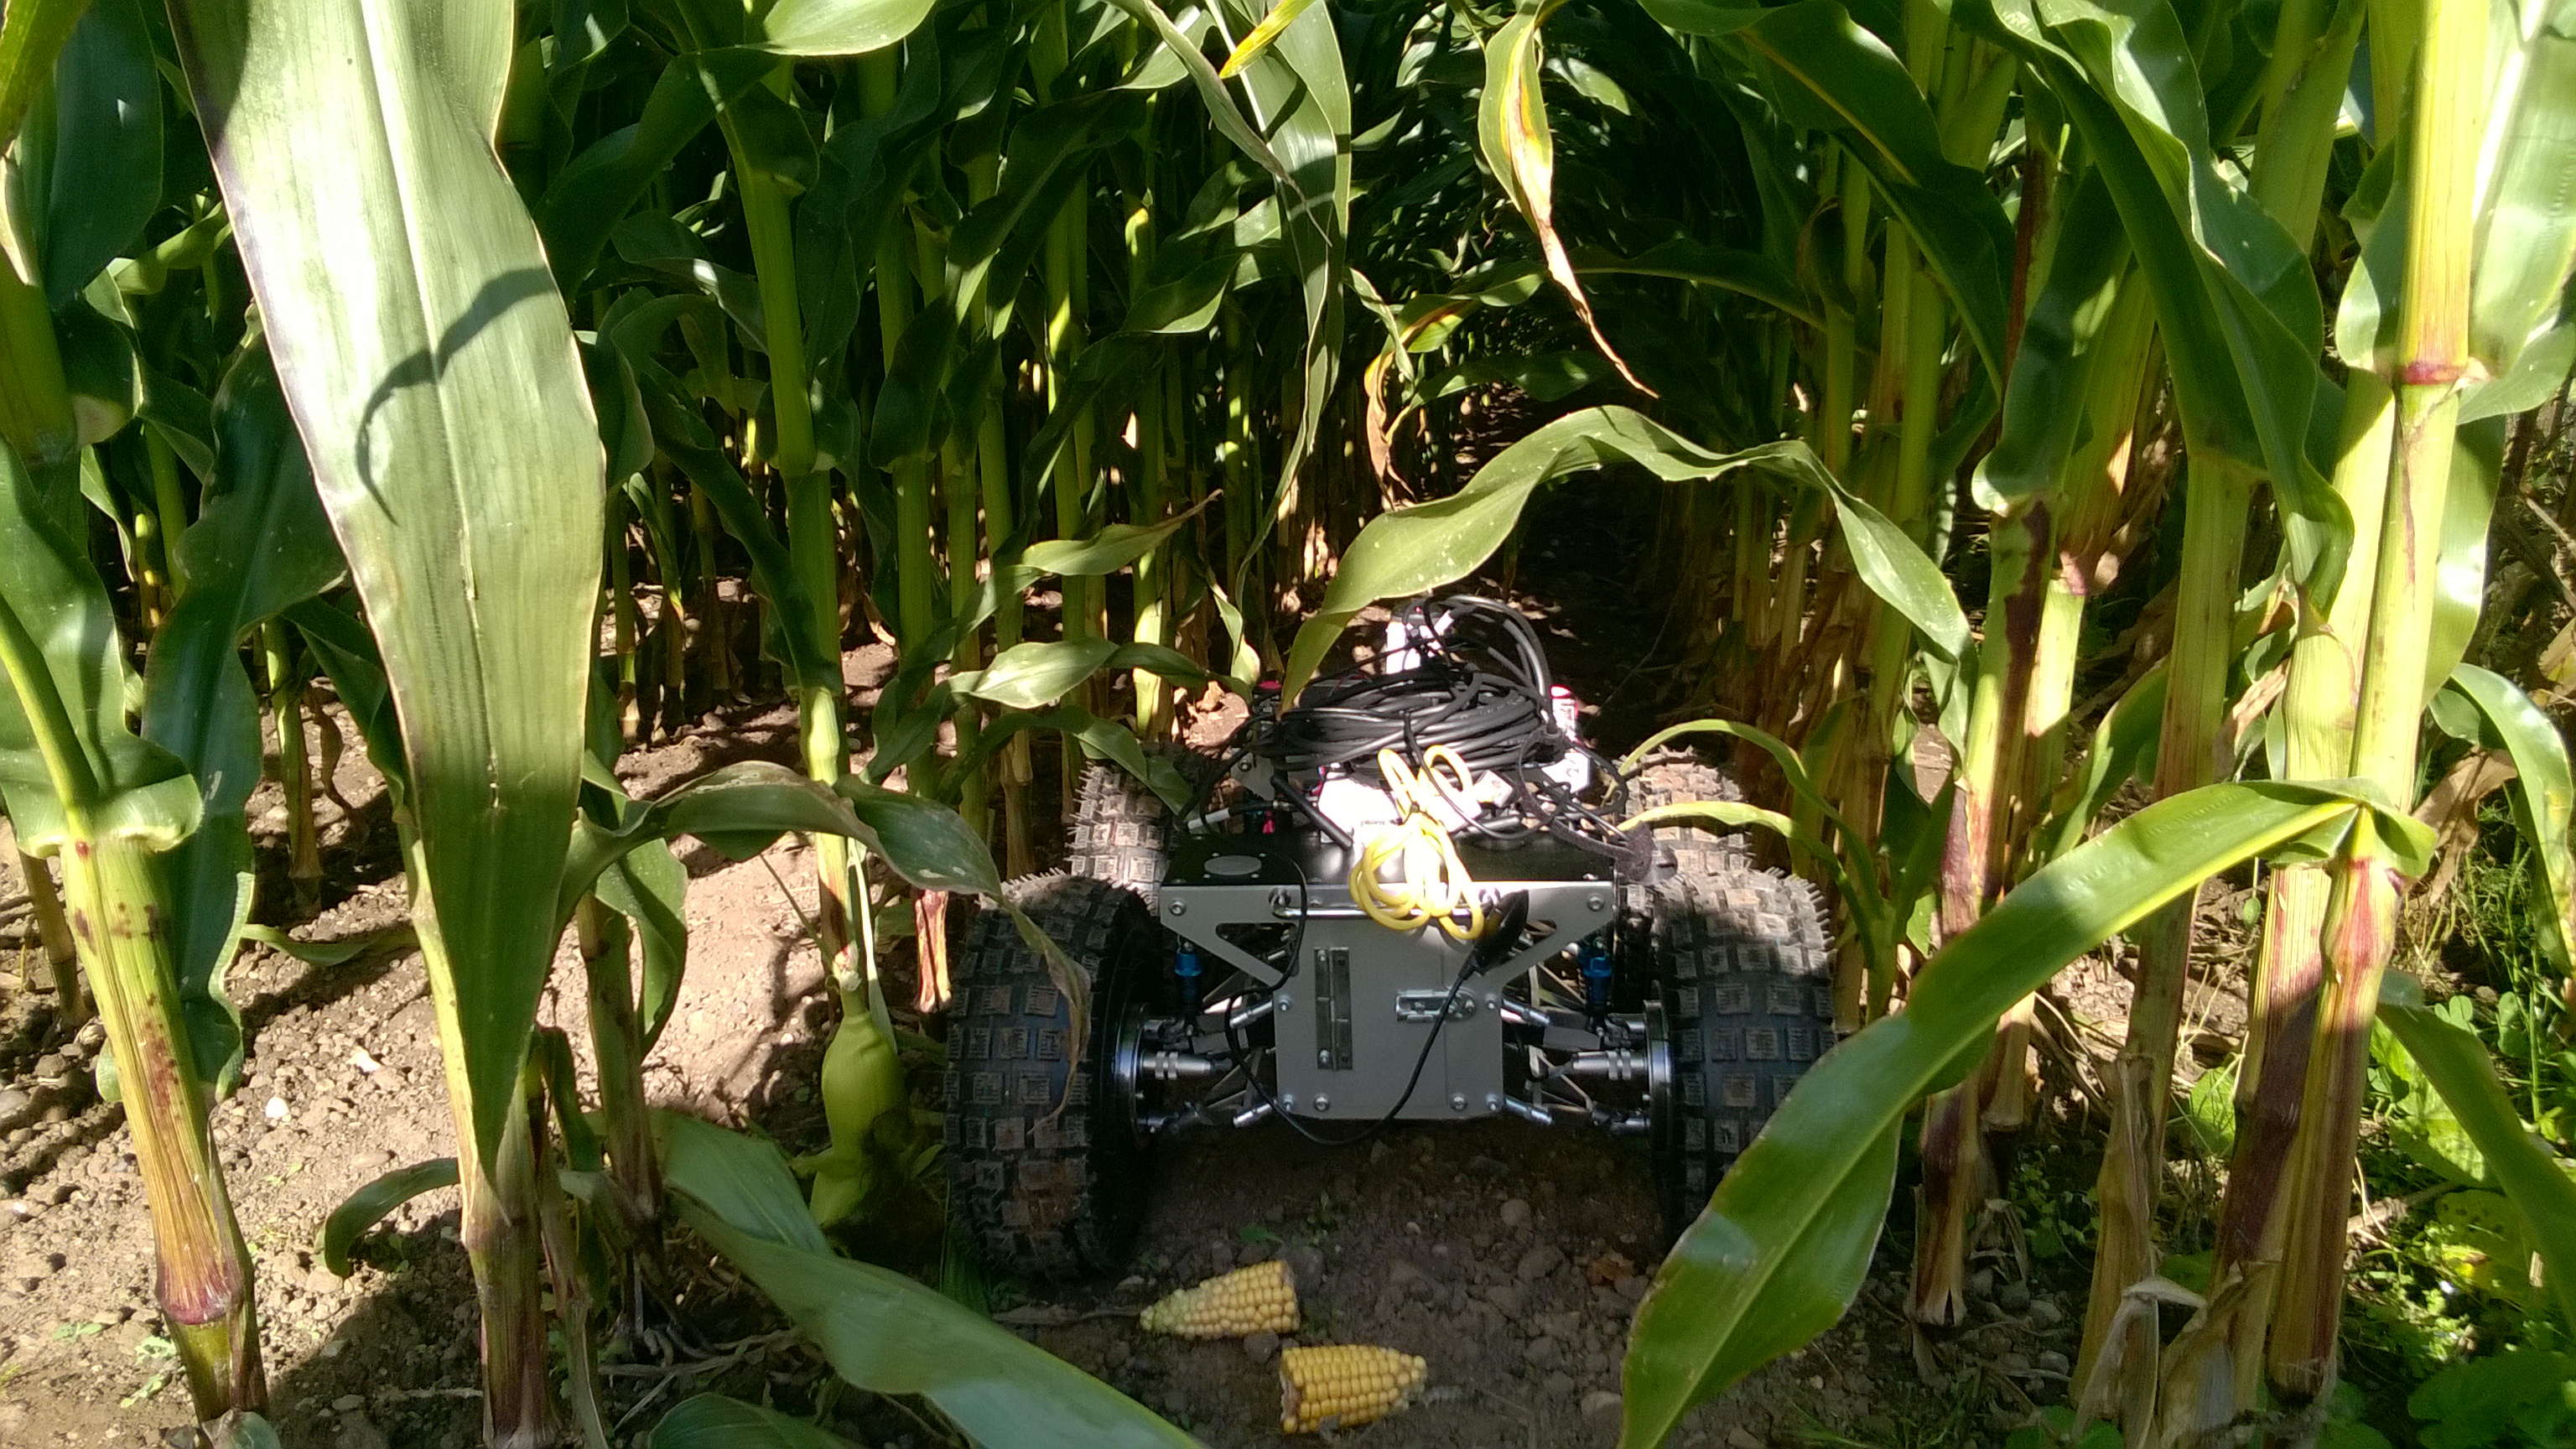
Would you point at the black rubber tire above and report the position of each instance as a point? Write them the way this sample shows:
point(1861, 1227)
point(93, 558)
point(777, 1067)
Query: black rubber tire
point(1695, 851)
point(1747, 996)
point(1045, 1171)
point(1119, 826)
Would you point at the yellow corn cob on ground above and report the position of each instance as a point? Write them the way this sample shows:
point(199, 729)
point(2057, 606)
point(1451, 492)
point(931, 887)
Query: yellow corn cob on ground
point(1261, 1298)
point(1343, 1385)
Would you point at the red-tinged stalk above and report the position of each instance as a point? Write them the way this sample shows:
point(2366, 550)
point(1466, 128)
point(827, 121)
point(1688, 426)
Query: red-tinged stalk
point(2215, 1369)
point(117, 906)
point(2264, 1181)
point(1955, 1160)
point(2361, 915)
point(2220, 492)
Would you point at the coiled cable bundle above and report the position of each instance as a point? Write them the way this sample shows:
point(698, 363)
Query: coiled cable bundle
point(1482, 696)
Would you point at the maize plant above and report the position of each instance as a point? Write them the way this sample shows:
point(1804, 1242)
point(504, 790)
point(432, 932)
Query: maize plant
point(2074, 432)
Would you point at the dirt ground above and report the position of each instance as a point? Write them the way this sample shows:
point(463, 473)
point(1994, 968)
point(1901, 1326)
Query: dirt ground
point(1509, 1257)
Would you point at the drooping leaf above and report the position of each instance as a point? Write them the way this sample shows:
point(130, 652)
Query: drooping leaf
point(371, 1204)
point(1520, 148)
point(430, 365)
point(1782, 1247)
point(1425, 545)
point(883, 1331)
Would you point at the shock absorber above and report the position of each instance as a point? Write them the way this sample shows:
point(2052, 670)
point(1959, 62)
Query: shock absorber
point(1185, 966)
point(1594, 953)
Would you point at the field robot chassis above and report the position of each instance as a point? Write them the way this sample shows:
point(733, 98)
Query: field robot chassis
point(1406, 898)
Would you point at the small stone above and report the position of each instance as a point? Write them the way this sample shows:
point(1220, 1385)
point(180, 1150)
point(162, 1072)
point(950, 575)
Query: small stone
point(276, 1109)
point(1742, 1438)
point(369, 1159)
point(1557, 1386)
point(52, 1068)
point(1402, 1272)
point(357, 1433)
point(13, 1101)
point(1515, 1214)
point(1506, 1298)
point(2045, 1313)
point(1981, 1283)
point(1538, 1262)
point(334, 1347)
point(1306, 1263)
point(348, 1403)
point(1260, 1346)
point(1543, 1353)
point(2053, 1361)
point(1633, 1288)
point(1600, 1402)
point(2014, 1363)
point(2013, 1297)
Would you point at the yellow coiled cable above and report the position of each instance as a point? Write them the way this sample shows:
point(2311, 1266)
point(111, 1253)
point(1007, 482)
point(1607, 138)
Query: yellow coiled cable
point(1434, 883)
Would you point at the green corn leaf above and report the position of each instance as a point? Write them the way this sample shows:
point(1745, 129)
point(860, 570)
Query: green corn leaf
point(739, 809)
point(102, 174)
point(2540, 1187)
point(1858, 87)
point(2044, 403)
point(371, 1204)
point(2543, 795)
point(2526, 226)
point(2460, 583)
point(65, 750)
point(1027, 676)
point(712, 1421)
point(880, 1330)
point(2236, 305)
point(823, 29)
point(32, 36)
point(595, 191)
point(1782, 1247)
point(1425, 545)
point(431, 367)
point(260, 545)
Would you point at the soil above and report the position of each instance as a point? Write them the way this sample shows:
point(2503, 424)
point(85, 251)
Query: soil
point(1510, 1258)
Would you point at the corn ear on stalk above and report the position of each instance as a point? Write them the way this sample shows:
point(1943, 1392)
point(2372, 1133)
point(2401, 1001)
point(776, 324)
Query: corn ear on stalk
point(1260, 1298)
point(1342, 1385)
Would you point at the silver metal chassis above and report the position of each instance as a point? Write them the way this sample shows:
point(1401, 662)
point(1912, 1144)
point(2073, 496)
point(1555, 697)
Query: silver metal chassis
point(1351, 1016)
